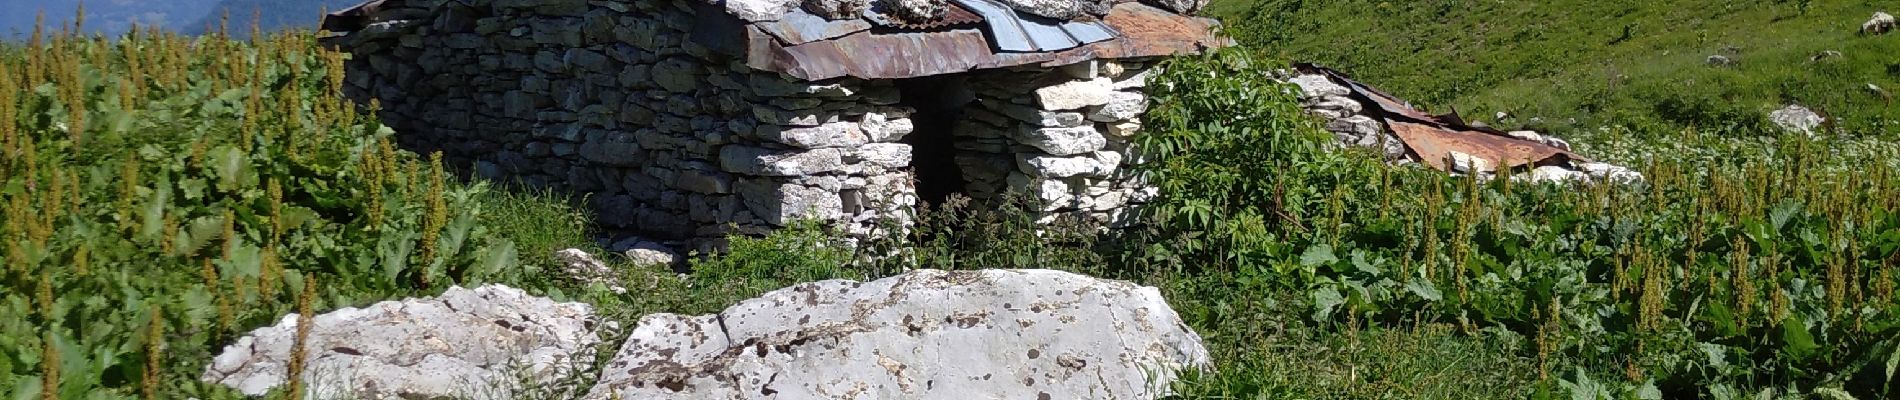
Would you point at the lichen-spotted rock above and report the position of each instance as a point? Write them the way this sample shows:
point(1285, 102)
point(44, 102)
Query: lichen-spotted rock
point(467, 344)
point(928, 334)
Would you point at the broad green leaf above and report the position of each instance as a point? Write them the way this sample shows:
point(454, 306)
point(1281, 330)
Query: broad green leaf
point(1424, 289)
point(1321, 254)
point(1893, 359)
point(498, 257)
point(1782, 213)
point(1796, 341)
point(1723, 391)
point(1324, 300)
point(1649, 391)
point(1829, 393)
point(1716, 354)
point(233, 168)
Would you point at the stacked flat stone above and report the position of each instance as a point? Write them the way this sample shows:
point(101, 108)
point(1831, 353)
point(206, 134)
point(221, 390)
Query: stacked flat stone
point(1346, 117)
point(1062, 136)
point(669, 139)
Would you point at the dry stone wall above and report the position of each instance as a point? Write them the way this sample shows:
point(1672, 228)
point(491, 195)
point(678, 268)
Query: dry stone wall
point(609, 98)
point(1061, 136)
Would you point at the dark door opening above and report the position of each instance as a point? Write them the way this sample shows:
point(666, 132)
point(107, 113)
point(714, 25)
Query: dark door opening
point(939, 101)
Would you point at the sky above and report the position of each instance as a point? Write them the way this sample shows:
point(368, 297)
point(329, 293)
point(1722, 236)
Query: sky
point(109, 17)
point(113, 17)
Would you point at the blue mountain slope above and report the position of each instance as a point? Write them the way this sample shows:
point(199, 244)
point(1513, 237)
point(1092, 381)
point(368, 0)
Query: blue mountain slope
point(271, 15)
point(110, 17)
point(113, 17)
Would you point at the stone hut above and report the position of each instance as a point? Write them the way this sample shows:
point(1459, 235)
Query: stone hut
point(683, 119)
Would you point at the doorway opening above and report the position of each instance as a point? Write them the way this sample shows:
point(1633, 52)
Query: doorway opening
point(939, 102)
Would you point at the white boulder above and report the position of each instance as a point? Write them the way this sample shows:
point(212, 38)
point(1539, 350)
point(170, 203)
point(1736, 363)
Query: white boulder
point(1795, 118)
point(759, 10)
point(927, 334)
point(1881, 23)
point(1556, 174)
point(467, 343)
point(1470, 164)
point(585, 268)
point(645, 253)
point(1611, 173)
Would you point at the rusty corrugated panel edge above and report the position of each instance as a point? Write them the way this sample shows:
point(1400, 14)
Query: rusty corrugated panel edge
point(350, 19)
point(1434, 144)
point(1432, 138)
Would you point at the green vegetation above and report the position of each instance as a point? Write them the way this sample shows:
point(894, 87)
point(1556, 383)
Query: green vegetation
point(1604, 63)
point(1761, 269)
point(163, 195)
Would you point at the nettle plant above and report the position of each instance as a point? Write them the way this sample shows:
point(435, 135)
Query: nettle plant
point(163, 194)
point(1764, 269)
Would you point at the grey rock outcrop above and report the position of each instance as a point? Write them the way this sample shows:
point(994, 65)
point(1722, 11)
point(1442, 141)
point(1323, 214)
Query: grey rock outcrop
point(1795, 118)
point(759, 10)
point(927, 334)
point(646, 253)
point(584, 268)
point(1880, 24)
point(1721, 61)
point(917, 10)
point(467, 343)
point(1189, 7)
point(1058, 9)
point(837, 9)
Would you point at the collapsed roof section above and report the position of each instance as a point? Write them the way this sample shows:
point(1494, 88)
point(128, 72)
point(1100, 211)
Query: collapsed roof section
point(892, 39)
point(1434, 139)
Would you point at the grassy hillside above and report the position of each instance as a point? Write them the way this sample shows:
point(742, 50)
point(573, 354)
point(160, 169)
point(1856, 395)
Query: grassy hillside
point(163, 195)
point(1616, 62)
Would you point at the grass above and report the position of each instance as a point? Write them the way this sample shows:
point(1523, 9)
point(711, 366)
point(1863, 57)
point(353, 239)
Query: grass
point(1603, 63)
point(1310, 273)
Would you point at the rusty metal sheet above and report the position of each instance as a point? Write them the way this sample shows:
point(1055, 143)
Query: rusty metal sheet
point(955, 15)
point(352, 18)
point(869, 55)
point(798, 27)
point(1434, 137)
point(1434, 146)
point(1146, 31)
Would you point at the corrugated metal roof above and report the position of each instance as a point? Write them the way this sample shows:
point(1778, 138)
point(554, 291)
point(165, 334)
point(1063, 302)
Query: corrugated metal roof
point(1003, 27)
point(1018, 31)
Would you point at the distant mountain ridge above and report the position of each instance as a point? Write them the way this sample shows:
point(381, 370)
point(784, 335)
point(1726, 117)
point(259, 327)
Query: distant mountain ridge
point(270, 15)
point(115, 17)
